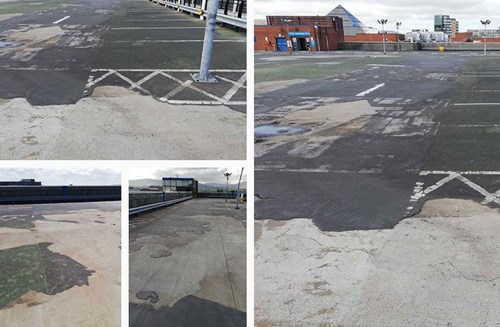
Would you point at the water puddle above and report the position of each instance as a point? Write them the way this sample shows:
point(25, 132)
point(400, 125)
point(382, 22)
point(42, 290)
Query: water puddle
point(6, 44)
point(269, 130)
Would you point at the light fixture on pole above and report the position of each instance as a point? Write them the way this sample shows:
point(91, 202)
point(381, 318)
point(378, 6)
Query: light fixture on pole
point(397, 34)
point(238, 192)
point(383, 22)
point(485, 23)
point(227, 182)
point(316, 27)
point(288, 42)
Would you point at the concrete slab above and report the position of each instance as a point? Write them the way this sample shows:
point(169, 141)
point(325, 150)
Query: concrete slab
point(54, 277)
point(188, 265)
point(438, 269)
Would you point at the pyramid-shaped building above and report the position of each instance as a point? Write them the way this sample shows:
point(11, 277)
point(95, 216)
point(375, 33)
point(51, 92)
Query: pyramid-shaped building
point(352, 25)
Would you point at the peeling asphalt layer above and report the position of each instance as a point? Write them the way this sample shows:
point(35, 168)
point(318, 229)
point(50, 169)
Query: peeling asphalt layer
point(135, 37)
point(434, 115)
point(187, 265)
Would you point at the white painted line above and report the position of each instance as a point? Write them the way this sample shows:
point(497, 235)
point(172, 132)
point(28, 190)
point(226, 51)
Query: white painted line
point(179, 41)
point(147, 78)
point(486, 91)
point(100, 78)
point(156, 28)
point(385, 65)
point(194, 70)
point(60, 20)
point(133, 85)
point(370, 90)
point(232, 91)
point(449, 172)
point(178, 89)
point(477, 104)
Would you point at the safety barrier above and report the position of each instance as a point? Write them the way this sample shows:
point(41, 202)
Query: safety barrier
point(231, 12)
point(153, 206)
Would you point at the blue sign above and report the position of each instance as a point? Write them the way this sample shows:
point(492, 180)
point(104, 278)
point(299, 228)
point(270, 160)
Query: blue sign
point(306, 34)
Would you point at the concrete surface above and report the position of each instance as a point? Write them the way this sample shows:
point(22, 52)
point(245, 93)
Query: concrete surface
point(48, 276)
point(384, 134)
point(438, 269)
point(59, 57)
point(188, 265)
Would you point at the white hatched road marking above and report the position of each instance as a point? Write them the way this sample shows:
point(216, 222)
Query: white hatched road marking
point(370, 90)
point(225, 100)
point(420, 192)
point(477, 104)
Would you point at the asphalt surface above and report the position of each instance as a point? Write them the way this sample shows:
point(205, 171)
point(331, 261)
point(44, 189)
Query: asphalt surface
point(385, 134)
point(188, 265)
point(131, 43)
point(48, 277)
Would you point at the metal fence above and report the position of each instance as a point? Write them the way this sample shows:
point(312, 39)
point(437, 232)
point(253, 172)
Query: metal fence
point(231, 12)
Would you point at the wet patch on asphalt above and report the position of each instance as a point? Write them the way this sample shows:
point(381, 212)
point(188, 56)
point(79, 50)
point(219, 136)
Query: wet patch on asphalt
point(147, 295)
point(161, 254)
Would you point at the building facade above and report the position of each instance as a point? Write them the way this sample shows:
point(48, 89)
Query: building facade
point(299, 33)
point(445, 24)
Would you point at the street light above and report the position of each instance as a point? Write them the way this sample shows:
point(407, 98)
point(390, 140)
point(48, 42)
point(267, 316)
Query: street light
point(383, 22)
point(485, 23)
point(287, 21)
point(397, 34)
point(227, 181)
point(316, 27)
point(238, 192)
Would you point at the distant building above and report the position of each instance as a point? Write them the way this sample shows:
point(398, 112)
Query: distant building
point(351, 24)
point(454, 27)
point(444, 23)
point(488, 33)
point(22, 182)
point(178, 184)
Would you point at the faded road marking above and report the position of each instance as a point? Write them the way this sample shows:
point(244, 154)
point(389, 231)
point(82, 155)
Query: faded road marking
point(370, 90)
point(60, 20)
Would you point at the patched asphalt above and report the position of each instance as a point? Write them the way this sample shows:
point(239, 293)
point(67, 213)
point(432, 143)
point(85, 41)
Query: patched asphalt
point(133, 37)
point(436, 115)
point(188, 266)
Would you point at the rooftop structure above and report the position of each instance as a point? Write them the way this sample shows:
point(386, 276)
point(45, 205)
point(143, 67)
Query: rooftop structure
point(25, 182)
point(351, 24)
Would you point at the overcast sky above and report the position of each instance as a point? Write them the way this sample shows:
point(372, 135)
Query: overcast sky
point(64, 176)
point(202, 175)
point(413, 14)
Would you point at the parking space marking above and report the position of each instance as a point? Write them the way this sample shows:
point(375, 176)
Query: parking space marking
point(157, 28)
point(477, 104)
point(60, 20)
point(370, 90)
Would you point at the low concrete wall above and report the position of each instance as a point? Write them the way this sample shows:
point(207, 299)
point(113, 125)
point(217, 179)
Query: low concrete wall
point(464, 46)
point(378, 46)
point(407, 46)
point(58, 194)
point(230, 195)
point(142, 199)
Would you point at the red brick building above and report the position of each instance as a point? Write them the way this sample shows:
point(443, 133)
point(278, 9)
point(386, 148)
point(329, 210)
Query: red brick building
point(299, 33)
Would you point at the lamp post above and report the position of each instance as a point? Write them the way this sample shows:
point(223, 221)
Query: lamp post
point(485, 23)
point(287, 21)
point(383, 22)
point(397, 34)
point(227, 182)
point(316, 27)
point(238, 192)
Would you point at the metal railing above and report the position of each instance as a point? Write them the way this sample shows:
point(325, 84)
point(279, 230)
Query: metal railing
point(153, 206)
point(231, 12)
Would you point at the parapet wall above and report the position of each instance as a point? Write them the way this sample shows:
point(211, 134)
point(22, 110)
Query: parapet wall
point(407, 46)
